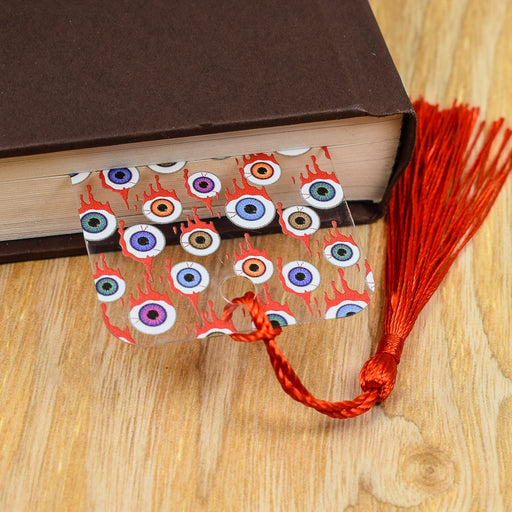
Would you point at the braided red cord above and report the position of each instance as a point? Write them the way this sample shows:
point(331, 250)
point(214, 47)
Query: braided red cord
point(287, 377)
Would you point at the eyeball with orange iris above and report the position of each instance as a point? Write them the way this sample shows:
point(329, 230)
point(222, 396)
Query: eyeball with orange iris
point(280, 318)
point(250, 211)
point(200, 242)
point(301, 220)
point(121, 178)
point(167, 168)
point(97, 224)
point(262, 172)
point(257, 268)
point(204, 184)
point(345, 308)
point(342, 254)
point(190, 277)
point(162, 209)
point(144, 241)
point(109, 288)
point(153, 316)
point(322, 193)
point(301, 276)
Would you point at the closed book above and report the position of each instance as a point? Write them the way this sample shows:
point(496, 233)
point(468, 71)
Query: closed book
point(95, 85)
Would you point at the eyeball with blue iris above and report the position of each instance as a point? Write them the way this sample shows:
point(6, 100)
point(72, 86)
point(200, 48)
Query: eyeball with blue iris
point(345, 308)
point(301, 276)
point(121, 178)
point(190, 277)
point(250, 211)
point(144, 241)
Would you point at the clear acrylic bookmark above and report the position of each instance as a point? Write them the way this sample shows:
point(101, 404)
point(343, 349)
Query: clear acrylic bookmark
point(172, 244)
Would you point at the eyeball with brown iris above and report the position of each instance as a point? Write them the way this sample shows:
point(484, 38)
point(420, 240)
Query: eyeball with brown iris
point(301, 220)
point(200, 242)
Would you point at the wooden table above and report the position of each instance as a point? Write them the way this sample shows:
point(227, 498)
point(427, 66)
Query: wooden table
point(89, 423)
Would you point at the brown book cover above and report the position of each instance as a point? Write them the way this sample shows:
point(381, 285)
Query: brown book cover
point(86, 74)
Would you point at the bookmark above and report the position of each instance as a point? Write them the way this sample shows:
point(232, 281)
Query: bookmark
point(174, 246)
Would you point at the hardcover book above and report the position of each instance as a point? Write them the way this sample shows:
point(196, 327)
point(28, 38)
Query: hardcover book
point(94, 85)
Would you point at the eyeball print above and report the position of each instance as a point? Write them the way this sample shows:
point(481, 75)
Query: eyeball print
point(322, 193)
point(204, 184)
point(97, 224)
point(153, 316)
point(78, 177)
point(216, 331)
point(301, 220)
point(250, 211)
point(345, 308)
point(190, 277)
point(121, 178)
point(342, 254)
point(257, 268)
point(301, 276)
point(200, 242)
point(144, 241)
point(109, 288)
point(167, 168)
point(162, 209)
point(262, 172)
point(293, 152)
point(280, 318)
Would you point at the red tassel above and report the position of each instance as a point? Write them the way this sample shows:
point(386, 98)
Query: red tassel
point(441, 200)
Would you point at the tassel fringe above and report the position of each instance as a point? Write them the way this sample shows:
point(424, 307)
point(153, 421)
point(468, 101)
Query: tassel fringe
point(455, 175)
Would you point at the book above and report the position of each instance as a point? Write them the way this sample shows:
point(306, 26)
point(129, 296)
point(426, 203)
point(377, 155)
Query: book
point(90, 85)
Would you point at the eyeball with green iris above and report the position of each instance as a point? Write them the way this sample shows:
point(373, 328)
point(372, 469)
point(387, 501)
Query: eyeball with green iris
point(301, 276)
point(144, 241)
point(322, 193)
point(204, 184)
point(200, 242)
point(301, 220)
point(342, 254)
point(121, 178)
point(168, 168)
point(190, 277)
point(280, 318)
point(257, 268)
point(97, 224)
point(153, 316)
point(250, 211)
point(109, 287)
point(162, 209)
point(345, 308)
point(262, 172)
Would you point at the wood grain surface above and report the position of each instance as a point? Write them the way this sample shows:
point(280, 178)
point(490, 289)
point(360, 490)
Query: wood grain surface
point(88, 423)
